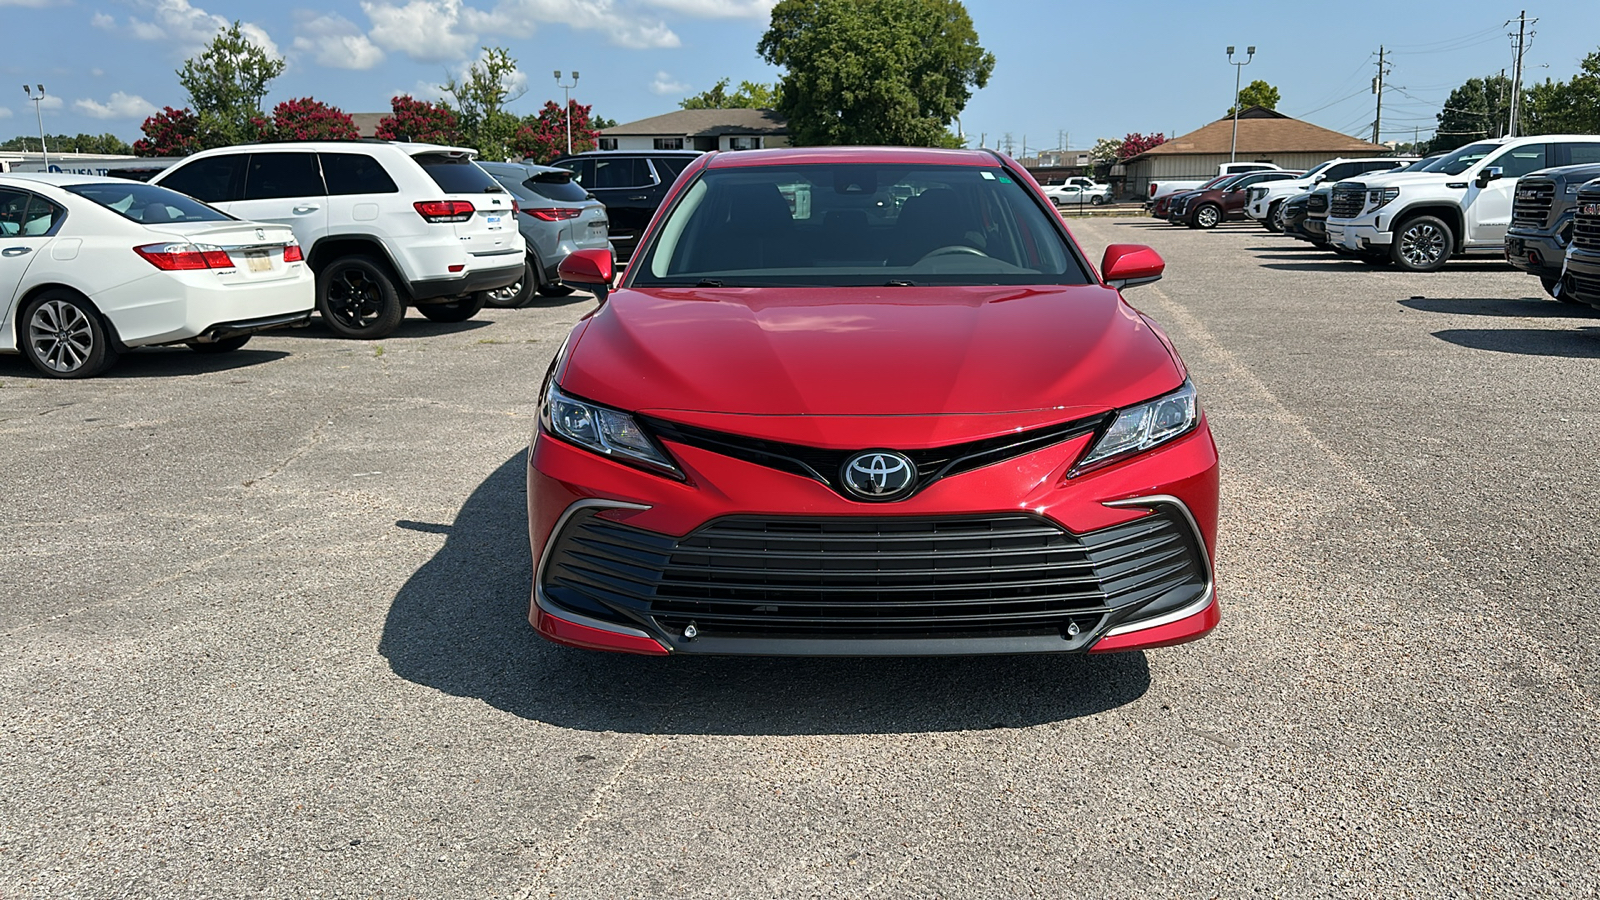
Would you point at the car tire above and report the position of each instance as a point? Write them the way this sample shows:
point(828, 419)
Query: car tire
point(1422, 244)
point(516, 295)
point(454, 311)
point(555, 290)
point(1557, 291)
point(226, 345)
point(1274, 220)
point(1097, 200)
point(63, 336)
point(1207, 215)
point(356, 298)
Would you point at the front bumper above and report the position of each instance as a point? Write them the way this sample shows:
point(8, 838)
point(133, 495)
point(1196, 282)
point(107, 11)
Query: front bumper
point(628, 561)
point(1537, 253)
point(1582, 280)
point(1354, 234)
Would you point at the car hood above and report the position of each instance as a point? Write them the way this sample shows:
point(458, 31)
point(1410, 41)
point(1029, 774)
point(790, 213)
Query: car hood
point(1401, 179)
point(1028, 355)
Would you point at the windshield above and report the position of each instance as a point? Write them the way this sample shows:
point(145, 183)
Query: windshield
point(147, 203)
point(857, 225)
point(1312, 173)
point(1459, 161)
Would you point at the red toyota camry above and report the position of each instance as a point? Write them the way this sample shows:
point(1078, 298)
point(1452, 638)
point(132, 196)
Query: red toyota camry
point(868, 401)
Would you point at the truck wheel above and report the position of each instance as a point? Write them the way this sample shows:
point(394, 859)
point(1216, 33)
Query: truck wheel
point(454, 311)
point(1207, 216)
point(357, 298)
point(1422, 244)
point(1556, 290)
point(1274, 220)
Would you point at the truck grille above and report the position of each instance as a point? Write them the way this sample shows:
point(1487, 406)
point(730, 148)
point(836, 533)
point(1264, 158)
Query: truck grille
point(1179, 207)
point(1317, 203)
point(1010, 574)
point(1347, 202)
point(1586, 221)
point(1534, 198)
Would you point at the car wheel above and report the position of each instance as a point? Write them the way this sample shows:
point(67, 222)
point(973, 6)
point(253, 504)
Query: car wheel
point(514, 295)
point(226, 345)
point(357, 298)
point(64, 336)
point(1274, 220)
point(1558, 291)
point(555, 290)
point(1422, 244)
point(1097, 200)
point(454, 311)
point(1207, 216)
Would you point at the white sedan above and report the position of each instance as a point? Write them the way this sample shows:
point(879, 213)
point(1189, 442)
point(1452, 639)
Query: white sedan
point(1070, 194)
point(91, 266)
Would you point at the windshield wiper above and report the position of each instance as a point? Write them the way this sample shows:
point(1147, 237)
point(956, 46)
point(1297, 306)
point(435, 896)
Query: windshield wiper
point(708, 282)
point(895, 282)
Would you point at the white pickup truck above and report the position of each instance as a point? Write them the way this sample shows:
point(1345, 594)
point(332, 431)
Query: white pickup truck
point(1461, 204)
point(1163, 188)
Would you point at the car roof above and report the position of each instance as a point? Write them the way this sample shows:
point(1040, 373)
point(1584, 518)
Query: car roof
point(529, 167)
point(593, 153)
point(60, 179)
point(786, 156)
point(407, 147)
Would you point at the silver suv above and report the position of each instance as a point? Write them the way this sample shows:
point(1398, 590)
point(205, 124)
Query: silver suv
point(556, 216)
point(383, 224)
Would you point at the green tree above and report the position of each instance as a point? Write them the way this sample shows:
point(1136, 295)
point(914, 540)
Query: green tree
point(874, 71)
point(1256, 93)
point(1478, 109)
point(481, 97)
point(226, 84)
point(750, 95)
point(1564, 107)
point(66, 143)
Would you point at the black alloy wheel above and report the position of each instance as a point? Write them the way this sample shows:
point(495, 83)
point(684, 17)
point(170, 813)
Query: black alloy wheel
point(64, 336)
point(357, 298)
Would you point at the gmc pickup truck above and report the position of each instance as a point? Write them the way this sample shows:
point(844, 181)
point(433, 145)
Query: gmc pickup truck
point(1542, 223)
point(1460, 204)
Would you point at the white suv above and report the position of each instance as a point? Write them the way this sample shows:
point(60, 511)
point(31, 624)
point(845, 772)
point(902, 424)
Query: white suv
point(383, 224)
point(1461, 203)
point(1266, 200)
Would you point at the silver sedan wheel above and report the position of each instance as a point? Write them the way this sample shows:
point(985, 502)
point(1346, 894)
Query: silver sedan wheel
point(62, 336)
point(1207, 216)
point(1422, 245)
point(505, 294)
point(1277, 216)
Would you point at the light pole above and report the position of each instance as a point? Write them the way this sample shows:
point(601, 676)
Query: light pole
point(1238, 67)
point(40, 116)
point(566, 111)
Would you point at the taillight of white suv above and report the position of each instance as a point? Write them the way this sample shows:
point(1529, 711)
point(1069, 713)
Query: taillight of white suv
point(442, 211)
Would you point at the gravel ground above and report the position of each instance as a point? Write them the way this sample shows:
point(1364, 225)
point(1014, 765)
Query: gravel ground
point(263, 634)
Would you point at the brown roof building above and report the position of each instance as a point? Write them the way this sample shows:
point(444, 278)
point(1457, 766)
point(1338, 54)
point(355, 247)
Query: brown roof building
point(700, 129)
point(1264, 136)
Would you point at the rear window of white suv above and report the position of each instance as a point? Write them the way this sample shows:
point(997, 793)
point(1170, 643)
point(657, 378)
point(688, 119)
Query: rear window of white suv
point(456, 174)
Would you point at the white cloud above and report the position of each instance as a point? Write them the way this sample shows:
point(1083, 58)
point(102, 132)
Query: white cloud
point(425, 30)
point(51, 101)
point(120, 106)
point(188, 27)
point(444, 30)
point(5, 113)
point(718, 9)
point(664, 84)
point(97, 72)
point(336, 42)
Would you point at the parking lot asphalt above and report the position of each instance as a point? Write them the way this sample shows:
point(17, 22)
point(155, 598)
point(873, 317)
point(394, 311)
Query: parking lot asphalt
point(263, 634)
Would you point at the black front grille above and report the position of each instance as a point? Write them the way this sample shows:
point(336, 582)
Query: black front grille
point(1534, 197)
point(824, 465)
point(1586, 226)
point(1585, 287)
point(1347, 203)
point(874, 577)
point(1317, 203)
point(1179, 207)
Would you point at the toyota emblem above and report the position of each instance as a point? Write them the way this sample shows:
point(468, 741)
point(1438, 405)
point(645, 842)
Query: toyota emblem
point(879, 475)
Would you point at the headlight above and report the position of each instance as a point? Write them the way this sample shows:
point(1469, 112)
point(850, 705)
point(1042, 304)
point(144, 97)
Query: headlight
point(604, 430)
point(1378, 198)
point(1147, 425)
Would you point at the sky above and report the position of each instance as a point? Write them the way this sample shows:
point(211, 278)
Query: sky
point(1066, 72)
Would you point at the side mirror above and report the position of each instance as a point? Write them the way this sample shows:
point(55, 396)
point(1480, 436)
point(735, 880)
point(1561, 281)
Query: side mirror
point(593, 269)
point(1127, 265)
point(1493, 173)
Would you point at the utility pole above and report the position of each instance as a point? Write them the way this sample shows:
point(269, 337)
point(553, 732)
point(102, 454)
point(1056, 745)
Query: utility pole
point(1516, 72)
point(566, 112)
point(1377, 88)
point(1233, 151)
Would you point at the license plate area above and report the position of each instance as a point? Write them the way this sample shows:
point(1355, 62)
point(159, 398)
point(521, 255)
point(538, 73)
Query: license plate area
point(258, 261)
